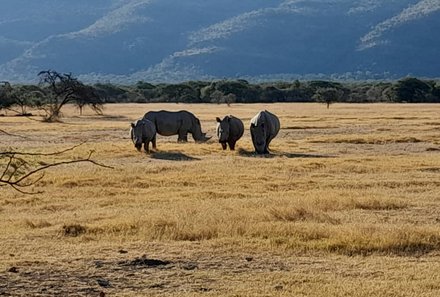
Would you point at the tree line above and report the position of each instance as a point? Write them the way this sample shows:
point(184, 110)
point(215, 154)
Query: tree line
point(57, 89)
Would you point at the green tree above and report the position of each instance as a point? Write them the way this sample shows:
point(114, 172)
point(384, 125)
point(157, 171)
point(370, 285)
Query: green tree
point(327, 95)
point(27, 96)
point(6, 95)
point(436, 92)
point(412, 90)
point(178, 93)
point(88, 96)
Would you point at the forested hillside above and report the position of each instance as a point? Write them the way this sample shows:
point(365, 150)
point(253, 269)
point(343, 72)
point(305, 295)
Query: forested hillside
point(125, 41)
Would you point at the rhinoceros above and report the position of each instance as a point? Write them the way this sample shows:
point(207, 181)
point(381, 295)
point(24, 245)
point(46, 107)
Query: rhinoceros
point(264, 128)
point(177, 122)
point(142, 132)
point(229, 131)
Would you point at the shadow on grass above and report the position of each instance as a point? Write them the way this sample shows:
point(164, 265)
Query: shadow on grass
point(275, 154)
point(105, 117)
point(172, 156)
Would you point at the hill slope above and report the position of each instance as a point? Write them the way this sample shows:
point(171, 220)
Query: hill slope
point(171, 40)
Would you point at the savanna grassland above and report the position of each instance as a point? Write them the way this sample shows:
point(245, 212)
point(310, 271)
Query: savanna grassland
point(347, 204)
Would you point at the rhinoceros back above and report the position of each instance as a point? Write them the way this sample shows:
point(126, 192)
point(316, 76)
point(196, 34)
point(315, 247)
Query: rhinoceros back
point(167, 122)
point(236, 129)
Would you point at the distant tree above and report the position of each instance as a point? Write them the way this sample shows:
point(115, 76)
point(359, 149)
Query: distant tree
point(217, 97)
point(178, 93)
point(6, 95)
point(271, 94)
point(27, 96)
point(296, 84)
point(206, 91)
point(61, 89)
point(436, 92)
point(142, 85)
point(112, 93)
point(328, 95)
point(88, 96)
point(412, 90)
point(243, 91)
point(19, 98)
point(322, 84)
point(230, 98)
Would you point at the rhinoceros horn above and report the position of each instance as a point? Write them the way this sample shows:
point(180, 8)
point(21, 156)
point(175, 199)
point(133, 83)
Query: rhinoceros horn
point(203, 138)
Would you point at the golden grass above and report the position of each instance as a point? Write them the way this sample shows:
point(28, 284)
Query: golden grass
point(347, 205)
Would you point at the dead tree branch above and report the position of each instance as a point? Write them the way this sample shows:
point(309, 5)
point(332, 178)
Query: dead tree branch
point(10, 134)
point(19, 173)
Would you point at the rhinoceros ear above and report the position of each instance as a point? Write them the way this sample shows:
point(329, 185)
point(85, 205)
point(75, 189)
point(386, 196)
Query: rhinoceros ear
point(218, 119)
point(132, 125)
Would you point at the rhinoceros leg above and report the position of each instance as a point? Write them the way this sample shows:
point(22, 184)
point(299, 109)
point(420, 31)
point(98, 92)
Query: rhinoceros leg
point(224, 146)
point(147, 147)
point(153, 141)
point(232, 145)
point(266, 147)
point(183, 136)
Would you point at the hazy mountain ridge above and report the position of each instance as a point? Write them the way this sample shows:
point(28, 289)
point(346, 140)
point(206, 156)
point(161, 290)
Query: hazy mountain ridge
point(168, 40)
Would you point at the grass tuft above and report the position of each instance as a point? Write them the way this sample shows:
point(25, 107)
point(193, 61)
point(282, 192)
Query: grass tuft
point(379, 204)
point(37, 224)
point(409, 241)
point(299, 214)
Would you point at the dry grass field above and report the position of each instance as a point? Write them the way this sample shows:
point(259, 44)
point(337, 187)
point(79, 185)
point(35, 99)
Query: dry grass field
point(347, 204)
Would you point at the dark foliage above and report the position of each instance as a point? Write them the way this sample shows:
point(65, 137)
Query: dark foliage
point(58, 89)
point(414, 90)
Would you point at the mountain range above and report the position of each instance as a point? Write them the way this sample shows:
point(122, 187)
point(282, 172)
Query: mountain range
point(173, 40)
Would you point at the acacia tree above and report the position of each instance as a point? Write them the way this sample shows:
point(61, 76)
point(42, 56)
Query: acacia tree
point(328, 95)
point(61, 89)
point(88, 96)
point(26, 96)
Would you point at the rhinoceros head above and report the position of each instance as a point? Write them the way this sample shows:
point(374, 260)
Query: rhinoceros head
point(258, 133)
point(223, 129)
point(197, 133)
point(136, 134)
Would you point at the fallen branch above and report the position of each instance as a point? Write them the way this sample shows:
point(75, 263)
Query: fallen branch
point(16, 172)
point(10, 134)
point(42, 154)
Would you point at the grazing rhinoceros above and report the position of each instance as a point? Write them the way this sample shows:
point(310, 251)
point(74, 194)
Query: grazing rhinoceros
point(177, 122)
point(142, 132)
point(229, 130)
point(264, 128)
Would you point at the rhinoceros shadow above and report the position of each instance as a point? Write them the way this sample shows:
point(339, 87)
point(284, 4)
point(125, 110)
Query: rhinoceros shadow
point(275, 154)
point(172, 156)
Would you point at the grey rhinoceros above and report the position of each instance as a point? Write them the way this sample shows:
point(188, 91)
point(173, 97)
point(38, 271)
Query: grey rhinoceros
point(177, 122)
point(143, 131)
point(229, 131)
point(264, 127)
